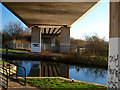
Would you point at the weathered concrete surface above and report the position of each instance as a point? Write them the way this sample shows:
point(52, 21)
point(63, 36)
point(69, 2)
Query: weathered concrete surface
point(36, 39)
point(49, 13)
point(13, 85)
point(114, 20)
point(35, 35)
point(114, 47)
point(65, 39)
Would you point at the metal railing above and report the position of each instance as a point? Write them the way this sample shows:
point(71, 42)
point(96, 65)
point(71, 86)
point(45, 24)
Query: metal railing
point(4, 78)
point(24, 74)
point(12, 73)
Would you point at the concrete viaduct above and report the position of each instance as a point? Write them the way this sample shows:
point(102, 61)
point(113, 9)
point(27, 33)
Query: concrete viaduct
point(50, 19)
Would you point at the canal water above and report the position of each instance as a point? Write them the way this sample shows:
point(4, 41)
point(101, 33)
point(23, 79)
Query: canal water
point(52, 69)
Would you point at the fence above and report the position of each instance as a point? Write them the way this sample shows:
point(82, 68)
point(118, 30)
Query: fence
point(44, 47)
point(3, 78)
point(48, 47)
point(13, 71)
point(20, 46)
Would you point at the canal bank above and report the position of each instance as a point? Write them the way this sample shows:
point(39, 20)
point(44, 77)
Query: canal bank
point(71, 80)
point(60, 82)
point(53, 69)
point(86, 60)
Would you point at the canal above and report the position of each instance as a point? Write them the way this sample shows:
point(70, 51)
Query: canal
point(53, 69)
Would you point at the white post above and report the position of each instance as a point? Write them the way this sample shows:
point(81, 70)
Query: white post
point(114, 47)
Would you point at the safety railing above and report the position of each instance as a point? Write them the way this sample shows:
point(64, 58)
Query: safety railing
point(13, 71)
point(21, 73)
point(4, 78)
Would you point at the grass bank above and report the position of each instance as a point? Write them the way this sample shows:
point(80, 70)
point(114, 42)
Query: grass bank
point(86, 60)
point(14, 50)
point(90, 60)
point(60, 83)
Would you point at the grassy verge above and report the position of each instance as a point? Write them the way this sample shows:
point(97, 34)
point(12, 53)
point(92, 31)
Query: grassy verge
point(60, 83)
point(90, 60)
point(14, 50)
point(0, 61)
point(86, 60)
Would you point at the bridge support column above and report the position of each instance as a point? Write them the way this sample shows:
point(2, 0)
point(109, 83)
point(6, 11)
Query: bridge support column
point(35, 39)
point(65, 39)
point(114, 47)
point(52, 42)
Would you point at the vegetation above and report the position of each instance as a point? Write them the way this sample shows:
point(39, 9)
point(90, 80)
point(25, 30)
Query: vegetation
point(94, 53)
point(76, 43)
point(90, 60)
point(96, 45)
point(0, 61)
point(14, 31)
point(75, 58)
point(60, 83)
point(14, 50)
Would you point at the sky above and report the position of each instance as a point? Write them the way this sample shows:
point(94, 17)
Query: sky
point(95, 22)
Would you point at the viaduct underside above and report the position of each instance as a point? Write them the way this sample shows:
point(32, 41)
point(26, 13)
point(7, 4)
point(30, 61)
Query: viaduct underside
point(53, 19)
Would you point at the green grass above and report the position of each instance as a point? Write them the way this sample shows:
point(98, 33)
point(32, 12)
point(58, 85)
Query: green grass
point(83, 59)
point(91, 60)
point(60, 83)
point(14, 50)
point(0, 61)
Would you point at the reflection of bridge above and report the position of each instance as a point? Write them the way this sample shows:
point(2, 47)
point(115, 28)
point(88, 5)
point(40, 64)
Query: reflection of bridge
point(49, 69)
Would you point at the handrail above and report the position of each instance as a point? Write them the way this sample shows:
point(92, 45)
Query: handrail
point(16, 70)
point(7, 77)
point(25, 74)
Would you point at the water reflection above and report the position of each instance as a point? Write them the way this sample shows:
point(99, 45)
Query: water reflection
point(52, 69)
point(43, 69)
point(26, 65)
point(98, 73)
point(93, 75)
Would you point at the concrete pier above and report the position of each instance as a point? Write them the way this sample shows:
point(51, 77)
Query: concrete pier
point(35, 39)
point(52, 42)
point(65, 39)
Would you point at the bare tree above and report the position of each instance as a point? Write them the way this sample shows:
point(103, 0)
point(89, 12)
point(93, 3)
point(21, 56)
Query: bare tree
point(27, 34)
point(14, 29)
point(96, 45)
point(77, 42)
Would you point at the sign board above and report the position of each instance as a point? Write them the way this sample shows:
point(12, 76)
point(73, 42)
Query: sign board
point(35, 47)
point(14, 41)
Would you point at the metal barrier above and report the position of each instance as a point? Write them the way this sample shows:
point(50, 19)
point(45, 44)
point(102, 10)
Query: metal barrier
point(4, 78)
point(22, 73)
point(13, 72)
